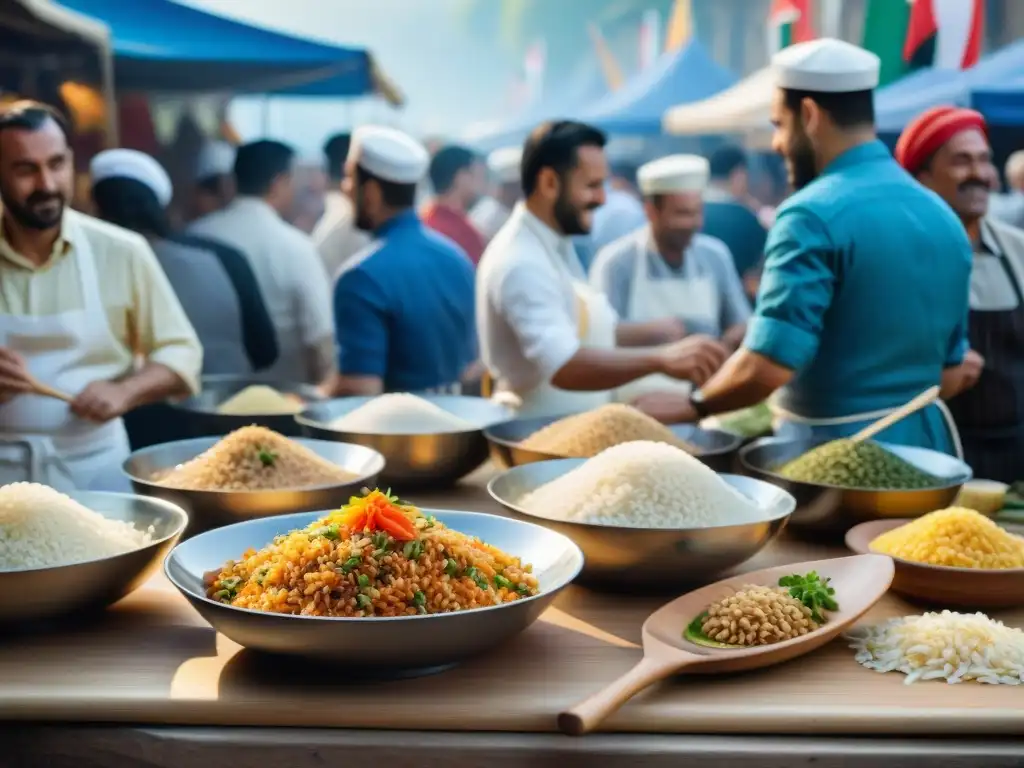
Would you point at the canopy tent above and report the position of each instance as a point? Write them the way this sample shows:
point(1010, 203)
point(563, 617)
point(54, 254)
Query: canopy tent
point(1002, 104)
point(678, 77)
point(745, 107)
point(163, 46)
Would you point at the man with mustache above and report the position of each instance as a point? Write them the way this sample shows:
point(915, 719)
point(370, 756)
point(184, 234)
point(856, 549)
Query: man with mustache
point(552, 343)
point(947, 150)
point(80, 302)
point(863, 300)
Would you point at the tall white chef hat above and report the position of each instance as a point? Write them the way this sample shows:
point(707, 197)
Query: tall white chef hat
point(216, 158)
point(389, 154)
point(673, 174)
point(504, 163)
point(135, 165)
point(826, 65)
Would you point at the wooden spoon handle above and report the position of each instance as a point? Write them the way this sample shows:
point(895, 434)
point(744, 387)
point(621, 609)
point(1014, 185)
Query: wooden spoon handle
point(47, 391)
point(925, 398)
point(591, 712)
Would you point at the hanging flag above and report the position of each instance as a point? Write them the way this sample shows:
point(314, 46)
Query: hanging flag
point(534, 64)
point(789, 21)
point(612, 74)
point(680, 26)
point(885, 35)
point(945, 34)
point(650, 38)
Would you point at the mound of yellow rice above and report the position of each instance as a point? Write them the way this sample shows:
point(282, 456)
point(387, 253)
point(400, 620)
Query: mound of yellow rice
point(325, 569)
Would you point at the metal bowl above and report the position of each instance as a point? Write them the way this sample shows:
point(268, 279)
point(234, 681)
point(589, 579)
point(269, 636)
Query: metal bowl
point(389, 646)
point(832, 509)
point(44, 594)
point(209, 509)
point(199, 416)
point(438, 459)
point(717, 448)
point(625, 557)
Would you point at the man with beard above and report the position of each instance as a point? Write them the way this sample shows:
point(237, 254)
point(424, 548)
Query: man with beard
point(403, 308)
point(947, 150)
point(863, 299)
point(458, 177)
point(80, 302)
point(551, 342)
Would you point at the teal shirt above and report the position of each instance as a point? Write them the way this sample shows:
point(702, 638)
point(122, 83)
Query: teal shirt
point(864, 295)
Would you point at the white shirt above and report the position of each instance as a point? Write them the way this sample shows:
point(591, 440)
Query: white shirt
point(290, 274)
point(335, 235)
point(525, 304)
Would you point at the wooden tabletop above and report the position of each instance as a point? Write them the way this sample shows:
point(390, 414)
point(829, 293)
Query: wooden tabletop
point(151, 659)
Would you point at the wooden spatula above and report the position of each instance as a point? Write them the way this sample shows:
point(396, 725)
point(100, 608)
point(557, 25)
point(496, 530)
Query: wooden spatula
point(45, 390)
point(927, 397)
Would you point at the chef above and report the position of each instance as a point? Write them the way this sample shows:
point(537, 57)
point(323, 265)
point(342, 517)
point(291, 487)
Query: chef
point(492, 211)
point(947, 150)
point(863, 300)
point(78, 299)
point(548, 339)
point(668, 269)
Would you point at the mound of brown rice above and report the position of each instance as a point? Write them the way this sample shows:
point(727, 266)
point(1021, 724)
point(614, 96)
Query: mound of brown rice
point(327, 570)
point(254, 459)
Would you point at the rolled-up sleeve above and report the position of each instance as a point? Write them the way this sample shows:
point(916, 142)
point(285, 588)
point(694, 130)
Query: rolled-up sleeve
point(361, 325)
point(796, 290)
point(611, 274)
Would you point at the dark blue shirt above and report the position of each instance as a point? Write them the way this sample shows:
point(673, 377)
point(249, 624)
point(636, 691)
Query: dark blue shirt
point(736, 226)
point(404, 309)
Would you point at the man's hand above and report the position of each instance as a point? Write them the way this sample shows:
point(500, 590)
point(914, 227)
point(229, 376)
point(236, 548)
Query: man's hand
point(695, 358)
point(102, 401)
point(971, 368)
point(667, 407)
point(14, 376)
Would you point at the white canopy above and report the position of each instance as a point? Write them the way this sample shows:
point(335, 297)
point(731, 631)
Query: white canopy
point(743, 108)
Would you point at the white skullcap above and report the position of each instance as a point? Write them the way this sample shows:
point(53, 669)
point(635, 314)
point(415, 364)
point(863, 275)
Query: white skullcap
point(826, 66)
point(673, 174)
point(132, 164)
point(504, 164)
point(216, 158)
point(389, 154)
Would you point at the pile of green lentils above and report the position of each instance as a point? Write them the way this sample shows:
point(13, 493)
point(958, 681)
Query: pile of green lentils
point(866, 465)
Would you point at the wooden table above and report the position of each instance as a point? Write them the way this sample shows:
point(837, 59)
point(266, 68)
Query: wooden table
point(151, 684)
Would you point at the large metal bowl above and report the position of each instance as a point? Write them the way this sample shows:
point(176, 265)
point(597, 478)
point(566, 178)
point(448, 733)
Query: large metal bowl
point(625, 557)
point(199, 416)
point(209, 509)
point(717, 448)
point(44, 594)
point(416, 461)
point(388, 646)
point(832, 509)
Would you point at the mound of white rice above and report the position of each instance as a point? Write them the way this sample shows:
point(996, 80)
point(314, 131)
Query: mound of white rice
point(400, 414)
point(943, 646)
point(642, 485)
point(42, 528)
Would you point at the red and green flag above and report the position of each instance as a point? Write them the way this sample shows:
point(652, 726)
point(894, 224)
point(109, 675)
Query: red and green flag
point(789, 21)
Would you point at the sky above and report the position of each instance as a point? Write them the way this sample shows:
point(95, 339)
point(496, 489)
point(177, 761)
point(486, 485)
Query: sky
point(449, 79)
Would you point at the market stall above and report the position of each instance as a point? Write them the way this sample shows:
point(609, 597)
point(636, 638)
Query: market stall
point(741, 109)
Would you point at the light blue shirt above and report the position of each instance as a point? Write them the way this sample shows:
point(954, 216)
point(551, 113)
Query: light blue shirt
point(621, 214)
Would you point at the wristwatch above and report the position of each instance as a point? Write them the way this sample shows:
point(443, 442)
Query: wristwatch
point(697, 403)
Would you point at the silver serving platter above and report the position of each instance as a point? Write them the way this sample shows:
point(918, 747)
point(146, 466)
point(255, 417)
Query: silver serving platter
point(416, 461)
point(833, 510)
point(718, 448)
point(386, 646)
point(46, 594)
point(622, 557)
point(208, 509)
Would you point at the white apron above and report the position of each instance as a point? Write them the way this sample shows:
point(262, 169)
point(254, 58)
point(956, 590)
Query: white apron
point(40, 439)
point(692, 297)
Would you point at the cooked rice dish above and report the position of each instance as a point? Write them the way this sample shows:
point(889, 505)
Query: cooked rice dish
point(43, 528)
point(954, 647)
point(955, 538)
point(642, 485)
point(254, 459)
point(400, 414)
point(376, 556)
point(585, 435)
point(261, 400)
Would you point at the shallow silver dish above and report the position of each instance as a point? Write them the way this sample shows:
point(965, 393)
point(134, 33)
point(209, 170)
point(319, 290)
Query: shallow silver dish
point(44, 594)
point(387, 646)
point(831, 509)
point(718, 448)
point(438, 459)
point(199, 416)
point(208, 509)
point(624, 557)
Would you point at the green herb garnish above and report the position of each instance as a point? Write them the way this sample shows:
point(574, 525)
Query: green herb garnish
point(364, 580)
point(451, 567)
point(431, 520)
point(267, 457)
point(352, 563)
point(413, 549)
point(695, 634)
point(420, 601)
point(260, 575)
point(501, 582)
point(813, 592)
point(380, 540)
point(363, 601)
point(332, 532)
point(522, 589)
point(474, 574)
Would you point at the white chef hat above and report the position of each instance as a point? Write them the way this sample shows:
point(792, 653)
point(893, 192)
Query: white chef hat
point(216, 158)
point(826, 66)
point(132, 164)
point(673, 174)
point(504, 163)
point(389, 154)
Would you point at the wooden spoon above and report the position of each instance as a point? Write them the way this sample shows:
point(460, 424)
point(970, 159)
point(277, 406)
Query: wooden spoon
point(859, 582)
point(925, 398)
point(45, 390)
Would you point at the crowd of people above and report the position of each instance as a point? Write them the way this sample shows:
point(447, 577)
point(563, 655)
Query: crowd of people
point(541, 274)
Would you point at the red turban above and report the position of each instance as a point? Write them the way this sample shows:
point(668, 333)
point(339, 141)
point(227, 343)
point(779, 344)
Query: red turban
point(930, 130)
